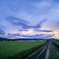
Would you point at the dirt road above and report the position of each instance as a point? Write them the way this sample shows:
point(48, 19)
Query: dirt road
point(44, 52)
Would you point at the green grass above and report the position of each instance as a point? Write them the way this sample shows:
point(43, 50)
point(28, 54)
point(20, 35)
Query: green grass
point(52, 54)
point(56, 43)
point(18, 49)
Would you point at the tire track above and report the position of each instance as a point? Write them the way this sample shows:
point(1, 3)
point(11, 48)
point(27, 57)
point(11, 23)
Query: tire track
point(37, 53)
point(48, 50)
point(41, 52)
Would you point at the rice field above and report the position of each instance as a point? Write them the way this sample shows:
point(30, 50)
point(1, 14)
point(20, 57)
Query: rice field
point(18, 49)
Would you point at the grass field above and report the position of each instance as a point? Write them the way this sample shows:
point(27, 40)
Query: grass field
point(18, 49)
point(56, 43)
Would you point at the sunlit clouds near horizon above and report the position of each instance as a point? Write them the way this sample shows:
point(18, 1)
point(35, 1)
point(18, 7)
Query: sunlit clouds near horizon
point(29, 19)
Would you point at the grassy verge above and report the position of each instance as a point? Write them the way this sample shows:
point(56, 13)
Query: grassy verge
point(56, 43)
point(52, 53)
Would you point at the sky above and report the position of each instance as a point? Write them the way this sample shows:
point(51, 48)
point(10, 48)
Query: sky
point(29, 19)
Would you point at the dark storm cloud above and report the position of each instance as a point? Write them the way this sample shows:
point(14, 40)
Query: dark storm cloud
point(2, 32)
point(23, 23)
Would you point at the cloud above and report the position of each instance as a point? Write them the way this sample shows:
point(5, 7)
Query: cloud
point(18, 22)
point(13, 34)
point(41, 4)
point(2, 32)
point(42, 21)
point(24, 24)
point(42, 36)
point(24, 30)
point(29, 18)
point(43, 30)
point(56, 24)
point(15, 19)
